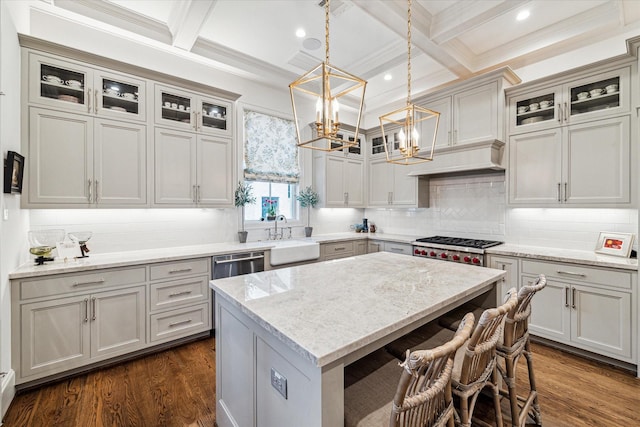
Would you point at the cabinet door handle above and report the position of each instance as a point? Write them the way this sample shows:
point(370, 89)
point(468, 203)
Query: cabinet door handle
point(455, 136)
point(93, 308)
point(199, 193)
point(559, 190)
point(339, 248)
point(93, 282)
point(565, 191)
point(571, 273)
point(95, 98)
point(182, 322)
point(395, 250)
point(90, 191)
point(573, 298)
point(180, 270)
point(193, 196)
point(566, 297)
point(97, 193)
point(449, 137)
point(566, 111)
point(86, 310)
point(88, 100)
point(559, 113)
point(177, 294)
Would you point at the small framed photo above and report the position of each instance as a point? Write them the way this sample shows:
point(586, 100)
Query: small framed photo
point(618, 244)
point(13, 172)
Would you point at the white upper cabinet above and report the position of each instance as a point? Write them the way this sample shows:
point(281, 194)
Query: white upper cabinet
point(339, 181)
point(181, 109)
point(570, 142)
point(192, 170)
point(80, 161)
point(593, 97)
point(77, 87)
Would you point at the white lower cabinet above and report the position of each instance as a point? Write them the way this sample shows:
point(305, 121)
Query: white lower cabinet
point(62, 322)
point(588, 308)
point(398, 248)
point(511, 266)
point(66, 333)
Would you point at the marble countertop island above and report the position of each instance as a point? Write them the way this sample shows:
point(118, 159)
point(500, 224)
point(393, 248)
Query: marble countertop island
point(327, 310)
point(283, 337)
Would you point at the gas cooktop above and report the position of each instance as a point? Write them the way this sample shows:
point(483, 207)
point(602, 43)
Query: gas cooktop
point(459, 241)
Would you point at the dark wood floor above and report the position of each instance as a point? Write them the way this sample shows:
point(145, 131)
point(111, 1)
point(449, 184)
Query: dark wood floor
point(177, 388)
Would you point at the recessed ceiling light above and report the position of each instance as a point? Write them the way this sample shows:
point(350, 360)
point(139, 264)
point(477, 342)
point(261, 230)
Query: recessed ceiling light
point(524, 14)
point(388, 76)
point(300, 33)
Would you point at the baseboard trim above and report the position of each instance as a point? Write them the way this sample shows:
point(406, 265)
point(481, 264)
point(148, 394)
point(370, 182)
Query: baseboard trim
point(7, 392)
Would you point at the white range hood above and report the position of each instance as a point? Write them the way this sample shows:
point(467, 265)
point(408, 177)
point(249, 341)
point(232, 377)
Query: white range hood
point(486, 155)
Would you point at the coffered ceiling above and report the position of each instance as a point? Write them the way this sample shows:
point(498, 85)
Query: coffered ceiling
point(452, 39)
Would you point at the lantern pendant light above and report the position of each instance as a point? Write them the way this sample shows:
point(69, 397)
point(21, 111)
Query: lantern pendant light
point(415, 127)
point(324, 85)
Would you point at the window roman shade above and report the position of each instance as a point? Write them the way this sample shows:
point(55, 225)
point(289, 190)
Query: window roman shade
point(270, 149)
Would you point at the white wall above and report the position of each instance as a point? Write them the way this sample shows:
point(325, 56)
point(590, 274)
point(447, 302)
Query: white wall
point(13, 248)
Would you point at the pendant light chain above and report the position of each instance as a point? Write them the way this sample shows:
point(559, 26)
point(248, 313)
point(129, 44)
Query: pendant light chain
point(409, 53)
point(326, 31)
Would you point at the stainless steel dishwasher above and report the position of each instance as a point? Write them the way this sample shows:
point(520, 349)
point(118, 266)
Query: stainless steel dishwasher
point(235, 265)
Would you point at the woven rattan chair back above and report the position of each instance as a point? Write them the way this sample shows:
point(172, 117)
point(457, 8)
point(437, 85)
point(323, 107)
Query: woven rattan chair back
point(516, 344)
point(481, 351)
point(423, 397)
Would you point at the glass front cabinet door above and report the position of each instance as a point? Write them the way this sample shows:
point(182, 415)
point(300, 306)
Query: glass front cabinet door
point(189, 111)
point(603, 95)
point(73, 86)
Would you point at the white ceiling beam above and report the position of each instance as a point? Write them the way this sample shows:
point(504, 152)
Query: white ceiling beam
point(186, 20)
point(118, 16)
point(463, 16)
point(393, 15)
point(630, 11)
point(571, 33)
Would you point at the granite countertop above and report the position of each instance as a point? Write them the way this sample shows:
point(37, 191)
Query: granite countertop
point(571, 256)
point(312, 309)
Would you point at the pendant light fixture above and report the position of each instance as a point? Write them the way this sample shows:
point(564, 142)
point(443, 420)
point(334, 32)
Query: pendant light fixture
point(414, 127)
point(321, 88)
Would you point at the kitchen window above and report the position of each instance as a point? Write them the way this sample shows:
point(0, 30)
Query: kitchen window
point(271, 165)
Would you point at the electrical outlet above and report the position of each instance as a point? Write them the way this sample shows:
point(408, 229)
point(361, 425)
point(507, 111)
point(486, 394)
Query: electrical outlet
point(279, 382)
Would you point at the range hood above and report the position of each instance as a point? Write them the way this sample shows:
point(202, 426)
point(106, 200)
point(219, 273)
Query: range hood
point(479, 156)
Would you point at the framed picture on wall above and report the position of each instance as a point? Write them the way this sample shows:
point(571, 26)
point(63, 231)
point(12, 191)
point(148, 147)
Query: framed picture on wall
point(13, 172)
point(618, 244)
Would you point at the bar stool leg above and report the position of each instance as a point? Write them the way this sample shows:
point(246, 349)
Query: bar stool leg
point(532, 384)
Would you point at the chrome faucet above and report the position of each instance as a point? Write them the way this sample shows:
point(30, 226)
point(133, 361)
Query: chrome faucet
point(276, 235)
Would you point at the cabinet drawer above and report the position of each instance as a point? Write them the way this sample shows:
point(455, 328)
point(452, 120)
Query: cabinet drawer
point(171, 270)
point(179, 292)
point(181, 322)
point(55, 285)
point(338, 250)
point(398, 248)
point(576, 273)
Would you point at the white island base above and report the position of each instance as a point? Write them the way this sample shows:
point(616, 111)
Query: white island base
point(283, 337)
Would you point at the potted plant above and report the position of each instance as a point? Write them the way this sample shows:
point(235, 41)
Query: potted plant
point(308, 199)
point(243, 196)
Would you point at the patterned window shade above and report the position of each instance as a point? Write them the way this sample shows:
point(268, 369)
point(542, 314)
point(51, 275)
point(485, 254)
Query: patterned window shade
point(270, 150)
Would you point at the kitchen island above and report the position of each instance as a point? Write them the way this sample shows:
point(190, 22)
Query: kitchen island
point(283, 337)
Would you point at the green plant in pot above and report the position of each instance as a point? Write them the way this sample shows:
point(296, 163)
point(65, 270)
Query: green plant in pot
point(243, 196)
point(308, 199)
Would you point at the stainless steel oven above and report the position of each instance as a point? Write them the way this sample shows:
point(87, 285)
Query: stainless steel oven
point(455, 249)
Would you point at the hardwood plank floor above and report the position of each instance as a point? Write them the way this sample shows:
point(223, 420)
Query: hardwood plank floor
point(177, 388)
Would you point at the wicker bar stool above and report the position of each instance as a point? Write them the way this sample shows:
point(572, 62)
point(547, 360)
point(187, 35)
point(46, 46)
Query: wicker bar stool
point(475, 366)
point(515, 343)
point(422, 395)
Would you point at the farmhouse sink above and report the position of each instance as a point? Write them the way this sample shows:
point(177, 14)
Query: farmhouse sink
point(289, 251)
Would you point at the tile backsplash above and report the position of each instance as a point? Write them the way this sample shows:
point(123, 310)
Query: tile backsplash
point(469, 205)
